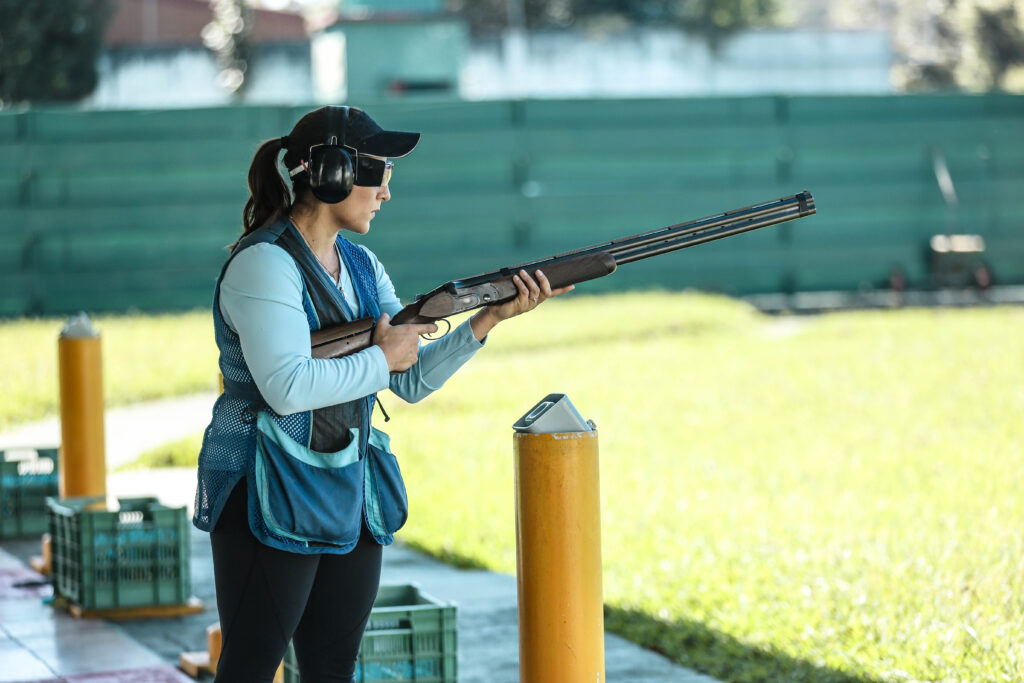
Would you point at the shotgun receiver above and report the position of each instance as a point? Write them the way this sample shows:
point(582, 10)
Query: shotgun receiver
point(571, 267)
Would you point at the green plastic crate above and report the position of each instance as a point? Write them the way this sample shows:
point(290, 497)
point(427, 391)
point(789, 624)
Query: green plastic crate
point(410, 636)
point(135, 556)
point(25, 484)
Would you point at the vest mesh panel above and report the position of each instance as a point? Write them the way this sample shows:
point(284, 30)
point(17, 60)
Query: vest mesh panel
point(231, 436)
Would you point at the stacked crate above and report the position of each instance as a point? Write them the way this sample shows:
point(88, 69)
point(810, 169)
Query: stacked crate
point(25, 484)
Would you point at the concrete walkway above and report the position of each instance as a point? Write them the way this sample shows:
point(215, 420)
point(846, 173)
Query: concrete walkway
point(37, 643)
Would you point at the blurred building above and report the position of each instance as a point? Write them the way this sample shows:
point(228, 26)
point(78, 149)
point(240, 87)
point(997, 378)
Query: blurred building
point(390, 49)
point(155, 57)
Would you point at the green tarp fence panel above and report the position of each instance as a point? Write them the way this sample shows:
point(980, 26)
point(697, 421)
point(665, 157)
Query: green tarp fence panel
point(116, 210)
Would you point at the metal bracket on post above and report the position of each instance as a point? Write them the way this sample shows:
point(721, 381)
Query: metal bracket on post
point(82, 463)
point(558, 545)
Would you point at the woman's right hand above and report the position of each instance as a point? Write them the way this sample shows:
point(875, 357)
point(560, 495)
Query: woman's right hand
point(400, 343)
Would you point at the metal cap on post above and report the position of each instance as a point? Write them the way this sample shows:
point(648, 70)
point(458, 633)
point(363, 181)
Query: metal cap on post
point(82, 462)
point(558, 545)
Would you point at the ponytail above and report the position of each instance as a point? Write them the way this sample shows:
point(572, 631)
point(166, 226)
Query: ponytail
point(269, 194)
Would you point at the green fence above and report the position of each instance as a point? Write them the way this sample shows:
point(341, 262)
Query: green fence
point(131, 209)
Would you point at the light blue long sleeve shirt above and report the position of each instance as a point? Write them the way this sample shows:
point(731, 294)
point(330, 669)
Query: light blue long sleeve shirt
point(261, 300)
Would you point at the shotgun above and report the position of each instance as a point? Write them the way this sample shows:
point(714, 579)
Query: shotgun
point(571, 267)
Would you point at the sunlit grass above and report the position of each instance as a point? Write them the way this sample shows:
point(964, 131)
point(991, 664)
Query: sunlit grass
point(828, 498)
point(814, 499)
point(183, 452)
point(144, 357)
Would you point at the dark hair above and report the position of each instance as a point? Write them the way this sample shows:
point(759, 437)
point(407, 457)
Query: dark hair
point(269, 195)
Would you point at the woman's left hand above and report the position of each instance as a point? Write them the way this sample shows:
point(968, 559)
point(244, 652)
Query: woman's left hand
point(532, 293)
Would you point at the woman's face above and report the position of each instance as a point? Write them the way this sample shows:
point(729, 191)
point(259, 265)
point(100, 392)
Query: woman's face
point(359, 208)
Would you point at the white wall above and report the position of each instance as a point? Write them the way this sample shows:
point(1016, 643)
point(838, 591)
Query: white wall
point(663, 62)
point(187, 77)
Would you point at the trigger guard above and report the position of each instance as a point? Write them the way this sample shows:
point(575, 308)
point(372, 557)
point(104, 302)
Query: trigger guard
point(428, 337)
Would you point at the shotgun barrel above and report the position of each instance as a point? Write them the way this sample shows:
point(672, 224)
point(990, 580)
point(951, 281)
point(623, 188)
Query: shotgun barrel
point(680, 236)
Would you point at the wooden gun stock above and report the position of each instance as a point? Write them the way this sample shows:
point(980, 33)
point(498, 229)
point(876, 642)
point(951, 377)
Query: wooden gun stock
point(342, 340)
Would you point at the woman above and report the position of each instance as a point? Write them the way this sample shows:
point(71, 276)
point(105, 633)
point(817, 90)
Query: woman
point(307, 570)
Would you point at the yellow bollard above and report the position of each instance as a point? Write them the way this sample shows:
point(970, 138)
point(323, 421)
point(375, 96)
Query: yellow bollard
point(82, 462)
point(558, 558)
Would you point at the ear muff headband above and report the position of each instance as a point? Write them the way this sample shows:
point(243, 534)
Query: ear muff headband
point(330, 167)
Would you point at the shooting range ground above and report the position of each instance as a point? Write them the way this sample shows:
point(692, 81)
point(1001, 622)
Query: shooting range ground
point(831, 498)
point(817, 498)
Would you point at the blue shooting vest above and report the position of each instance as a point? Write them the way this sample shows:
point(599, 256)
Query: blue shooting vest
point(246, 438)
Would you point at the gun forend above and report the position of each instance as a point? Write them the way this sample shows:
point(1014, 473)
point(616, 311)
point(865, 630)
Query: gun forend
point(571, 271)
point(460, 296)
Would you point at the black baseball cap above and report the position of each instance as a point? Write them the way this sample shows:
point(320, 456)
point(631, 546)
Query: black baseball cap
point(363, 133)
point(351, 125)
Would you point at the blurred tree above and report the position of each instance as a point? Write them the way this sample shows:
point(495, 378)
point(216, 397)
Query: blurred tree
point(943, 44)
point(714, 19)
point(48, 50)
point(710, 18)
point(228, 36)
point(1000, 41)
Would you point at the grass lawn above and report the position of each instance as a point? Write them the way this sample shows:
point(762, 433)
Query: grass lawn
point(144, 357)
point(830, 498)
point(821, 499)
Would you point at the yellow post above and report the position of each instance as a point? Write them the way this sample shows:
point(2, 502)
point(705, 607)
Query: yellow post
point(558, 558)
point(82, 462)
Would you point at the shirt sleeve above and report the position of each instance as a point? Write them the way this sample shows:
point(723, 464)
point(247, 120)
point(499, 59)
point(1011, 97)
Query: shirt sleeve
point(261, 300)
point(438, 360)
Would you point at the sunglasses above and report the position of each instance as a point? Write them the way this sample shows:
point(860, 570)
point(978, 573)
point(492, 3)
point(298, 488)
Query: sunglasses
point(373, 171)
point(370, 170)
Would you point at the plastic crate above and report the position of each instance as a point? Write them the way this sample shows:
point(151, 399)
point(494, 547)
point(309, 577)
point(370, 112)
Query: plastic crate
point(25, 484)
point(410, 636)
point(135, 556)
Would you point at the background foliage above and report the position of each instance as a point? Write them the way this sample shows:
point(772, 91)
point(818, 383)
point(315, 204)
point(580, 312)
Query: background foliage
point(710, 18)
point(229, 36)
point(48, 50)
point(974, 45)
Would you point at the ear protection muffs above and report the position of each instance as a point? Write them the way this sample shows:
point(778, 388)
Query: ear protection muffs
point(330, 167)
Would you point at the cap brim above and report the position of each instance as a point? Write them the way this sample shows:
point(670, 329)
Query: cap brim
point(389, 143)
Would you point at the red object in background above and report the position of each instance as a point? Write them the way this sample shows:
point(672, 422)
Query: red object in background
point(180, 22)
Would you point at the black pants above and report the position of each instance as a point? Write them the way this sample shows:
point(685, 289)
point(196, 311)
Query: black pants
point(267, 597)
